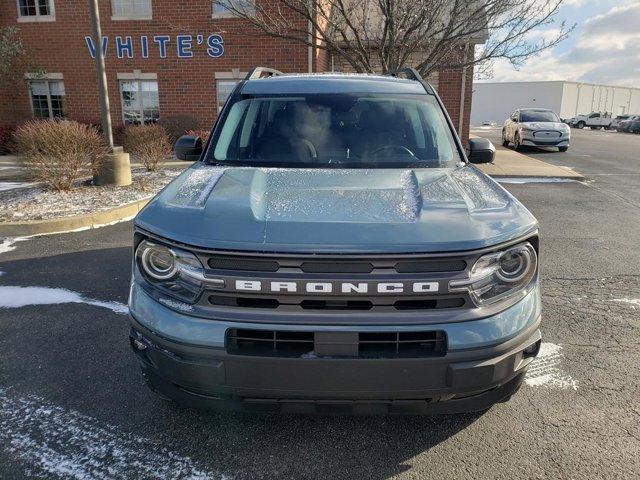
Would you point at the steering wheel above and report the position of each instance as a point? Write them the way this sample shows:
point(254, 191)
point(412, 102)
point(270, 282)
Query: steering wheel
point(399, 148)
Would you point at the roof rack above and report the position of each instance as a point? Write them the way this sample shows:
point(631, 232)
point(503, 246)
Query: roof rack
point(410, 74)
point(259, 72)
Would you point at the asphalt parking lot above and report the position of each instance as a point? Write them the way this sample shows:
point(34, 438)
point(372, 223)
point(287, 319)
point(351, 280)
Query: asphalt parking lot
point(73, 404)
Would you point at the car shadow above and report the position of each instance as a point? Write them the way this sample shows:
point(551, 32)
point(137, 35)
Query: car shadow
point(77, 356)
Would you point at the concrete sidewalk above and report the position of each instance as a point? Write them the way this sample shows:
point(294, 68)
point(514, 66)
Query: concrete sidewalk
point(511, 164)
point(507, 163)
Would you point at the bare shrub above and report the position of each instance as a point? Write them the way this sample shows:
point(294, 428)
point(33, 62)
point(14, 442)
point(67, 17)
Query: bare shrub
point(149, 144)
point(59, 152)
point(203, 134)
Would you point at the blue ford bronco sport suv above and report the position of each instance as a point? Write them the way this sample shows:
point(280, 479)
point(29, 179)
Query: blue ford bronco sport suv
point(333, 249)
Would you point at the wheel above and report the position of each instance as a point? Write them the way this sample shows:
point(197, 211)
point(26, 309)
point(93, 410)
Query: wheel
point(505, 142)
point(516, 142)
point(580, 124)
point(563, 149)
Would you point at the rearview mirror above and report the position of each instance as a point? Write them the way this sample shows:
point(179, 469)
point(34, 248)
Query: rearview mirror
point(188, 147)
point(481, 150)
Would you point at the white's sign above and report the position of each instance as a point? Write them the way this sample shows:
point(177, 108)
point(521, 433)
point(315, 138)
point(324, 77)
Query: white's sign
point(128, 46)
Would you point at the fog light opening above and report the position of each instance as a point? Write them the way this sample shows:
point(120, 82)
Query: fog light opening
point(532, 350)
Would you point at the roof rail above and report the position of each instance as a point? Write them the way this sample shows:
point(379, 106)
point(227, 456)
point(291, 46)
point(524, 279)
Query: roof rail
point(410, 74)
point(259, 72)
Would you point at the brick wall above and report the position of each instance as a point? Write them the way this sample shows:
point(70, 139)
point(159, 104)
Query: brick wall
point(449, 90)
point(186, 85)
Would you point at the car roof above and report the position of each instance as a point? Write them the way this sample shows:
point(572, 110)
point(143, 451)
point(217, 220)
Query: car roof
point(332, 83)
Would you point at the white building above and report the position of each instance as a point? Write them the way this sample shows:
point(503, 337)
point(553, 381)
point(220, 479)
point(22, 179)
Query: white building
point(495, 101)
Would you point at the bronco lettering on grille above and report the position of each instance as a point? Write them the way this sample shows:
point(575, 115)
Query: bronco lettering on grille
point(347, 288)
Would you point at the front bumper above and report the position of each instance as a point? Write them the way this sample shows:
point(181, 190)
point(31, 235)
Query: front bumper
point(184, 358)
point(532, 140)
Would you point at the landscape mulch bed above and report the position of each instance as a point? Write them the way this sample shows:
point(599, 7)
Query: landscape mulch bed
point(41, 203)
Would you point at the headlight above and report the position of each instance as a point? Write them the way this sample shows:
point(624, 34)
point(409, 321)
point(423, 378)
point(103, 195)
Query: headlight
point(158, 261)
point(527, 130)
point(500, 275)
point(174, 271)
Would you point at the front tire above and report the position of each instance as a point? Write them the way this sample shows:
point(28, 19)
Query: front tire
point(580, 124)
point(516, 142)
point(563, 149)
point(505, 142)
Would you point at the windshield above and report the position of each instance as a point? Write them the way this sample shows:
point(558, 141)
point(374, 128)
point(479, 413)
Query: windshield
point(326, 130)
point(538, 116)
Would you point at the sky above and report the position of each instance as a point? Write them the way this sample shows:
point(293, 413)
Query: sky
point(603, 48)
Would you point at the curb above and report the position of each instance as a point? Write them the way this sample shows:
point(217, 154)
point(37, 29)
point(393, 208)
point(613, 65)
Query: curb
point(78, 222)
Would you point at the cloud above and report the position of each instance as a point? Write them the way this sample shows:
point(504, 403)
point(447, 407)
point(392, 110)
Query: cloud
point(607, 50)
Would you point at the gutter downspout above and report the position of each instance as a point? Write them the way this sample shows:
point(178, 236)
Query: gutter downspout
point(310, 39)
point(463, 88)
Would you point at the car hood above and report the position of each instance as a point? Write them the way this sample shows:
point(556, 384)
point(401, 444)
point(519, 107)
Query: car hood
point(336, 210)
point(543, 125)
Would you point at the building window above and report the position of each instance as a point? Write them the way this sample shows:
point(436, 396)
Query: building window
point(140, 101)
point(35, 10)
point(220, 7)
point(131, 9)
point(223, 90)
point(47, 98)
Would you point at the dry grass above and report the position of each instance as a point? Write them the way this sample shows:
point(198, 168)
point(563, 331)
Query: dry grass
point(59, 152)
point(149, 144)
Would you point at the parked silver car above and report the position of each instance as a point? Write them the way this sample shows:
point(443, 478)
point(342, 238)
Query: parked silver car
point(536, 127)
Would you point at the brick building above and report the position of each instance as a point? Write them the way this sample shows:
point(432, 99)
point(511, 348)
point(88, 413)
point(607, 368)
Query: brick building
point(173, 60)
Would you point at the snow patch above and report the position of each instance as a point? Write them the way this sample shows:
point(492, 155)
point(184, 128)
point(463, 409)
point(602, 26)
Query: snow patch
point(7, 244)
point(411, 203)
point(520, 180)
point(16, 297)
point(545, 370)
point(4, 186)
point(197, 186)
point(634, 302)
point(53, 441)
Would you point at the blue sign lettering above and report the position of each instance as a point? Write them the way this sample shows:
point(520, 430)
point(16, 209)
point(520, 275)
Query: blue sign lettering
point(187, 46)
point(215, 44)
point(92, 47)
point(162, 41)
point(184, 46)
point(144, 43)
point(127, 46)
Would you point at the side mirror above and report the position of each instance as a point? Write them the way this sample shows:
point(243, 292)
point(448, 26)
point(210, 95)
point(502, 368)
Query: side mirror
point(188, 147)
point(481, 150)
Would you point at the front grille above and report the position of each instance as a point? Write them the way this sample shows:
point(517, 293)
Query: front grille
point(335, 303)
point(269, 343)
point(371, 345)
point(274, 284)
point(336, 264)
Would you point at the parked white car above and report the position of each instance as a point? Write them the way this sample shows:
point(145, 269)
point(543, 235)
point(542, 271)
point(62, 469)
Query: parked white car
point(536, 127)
point(595, 120)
